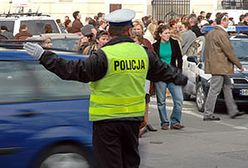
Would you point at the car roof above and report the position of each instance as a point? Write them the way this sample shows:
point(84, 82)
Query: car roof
point(12, 18)
point(236, 29)
point(23, 15)
point(232, 37)
point(22, 55)
point(239, 37)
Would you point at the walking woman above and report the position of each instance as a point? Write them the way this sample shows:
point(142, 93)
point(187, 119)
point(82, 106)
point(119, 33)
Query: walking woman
point(169, 52)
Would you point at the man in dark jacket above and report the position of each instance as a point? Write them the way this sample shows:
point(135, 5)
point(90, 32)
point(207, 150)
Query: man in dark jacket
point(76, 24)
point(194, 26)
point(23, 33)
point(5, 32)
point(117, 73)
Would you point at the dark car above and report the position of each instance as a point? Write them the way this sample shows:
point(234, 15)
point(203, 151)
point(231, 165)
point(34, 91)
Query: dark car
point(199, 82)
point(44, 120)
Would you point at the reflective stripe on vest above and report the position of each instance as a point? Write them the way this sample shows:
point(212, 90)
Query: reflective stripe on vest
point(121, 93)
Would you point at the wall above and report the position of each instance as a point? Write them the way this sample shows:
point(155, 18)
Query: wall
point(61, 8)
point(207, 5)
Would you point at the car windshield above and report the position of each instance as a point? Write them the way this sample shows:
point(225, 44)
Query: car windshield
point(240, 48)
point(66, 44)
point(22, 81)
point(37, 26)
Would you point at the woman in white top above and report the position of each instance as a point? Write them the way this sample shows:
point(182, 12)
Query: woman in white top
point(151, 28)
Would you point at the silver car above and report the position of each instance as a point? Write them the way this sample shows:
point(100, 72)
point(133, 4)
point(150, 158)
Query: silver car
point(198, 83)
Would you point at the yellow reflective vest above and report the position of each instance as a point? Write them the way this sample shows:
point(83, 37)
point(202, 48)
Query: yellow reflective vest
point(121, 92)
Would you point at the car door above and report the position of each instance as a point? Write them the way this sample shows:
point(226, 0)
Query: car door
point(15, 89)
point(36, 105)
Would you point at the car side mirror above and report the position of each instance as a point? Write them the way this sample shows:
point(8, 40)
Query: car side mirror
point(193, 59)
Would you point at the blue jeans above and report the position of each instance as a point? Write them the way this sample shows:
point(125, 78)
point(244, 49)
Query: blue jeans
point(177, 96)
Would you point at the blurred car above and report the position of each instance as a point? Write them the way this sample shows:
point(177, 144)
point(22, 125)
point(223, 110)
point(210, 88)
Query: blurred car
point(199, 82)
point(44, 120)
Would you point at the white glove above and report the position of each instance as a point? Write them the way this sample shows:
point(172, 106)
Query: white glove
point(34, 50)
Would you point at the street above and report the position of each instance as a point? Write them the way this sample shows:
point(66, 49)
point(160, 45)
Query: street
point(201, 144)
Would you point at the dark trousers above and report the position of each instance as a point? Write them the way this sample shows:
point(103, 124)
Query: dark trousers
point(116, 143)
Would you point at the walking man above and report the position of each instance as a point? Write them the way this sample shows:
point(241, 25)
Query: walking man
point(220, 61)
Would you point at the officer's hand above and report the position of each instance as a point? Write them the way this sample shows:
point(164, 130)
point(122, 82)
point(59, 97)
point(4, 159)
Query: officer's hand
point(181, 79)
point(143, 124)
point(34, 50)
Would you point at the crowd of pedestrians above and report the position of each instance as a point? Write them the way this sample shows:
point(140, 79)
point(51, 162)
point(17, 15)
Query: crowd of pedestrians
point(169, 40)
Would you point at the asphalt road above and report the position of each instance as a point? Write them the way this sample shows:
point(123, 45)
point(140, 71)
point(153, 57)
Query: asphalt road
point(201, 144)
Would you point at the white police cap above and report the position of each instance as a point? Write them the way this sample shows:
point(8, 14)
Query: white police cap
point(120, 17)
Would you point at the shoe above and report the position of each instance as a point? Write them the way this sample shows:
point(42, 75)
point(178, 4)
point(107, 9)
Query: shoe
point(237, 114)
point(177, 126)
point(150, 127)
point(165, 127)
point(211, 118)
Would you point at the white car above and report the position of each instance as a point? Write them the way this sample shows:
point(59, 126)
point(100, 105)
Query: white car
point(34, 21)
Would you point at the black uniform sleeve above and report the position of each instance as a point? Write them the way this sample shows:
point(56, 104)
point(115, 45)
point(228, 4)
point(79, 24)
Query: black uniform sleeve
point(92, 68)
point(160, 71)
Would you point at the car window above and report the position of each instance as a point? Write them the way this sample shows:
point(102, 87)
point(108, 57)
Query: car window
point(199, 49)
point(52, 87)
point(23, 82)
point(8, 24)
point(192, 49)
point(16, 84)
point(66, 44)
point(240, 48)
point(195, 48)
point(37, 26)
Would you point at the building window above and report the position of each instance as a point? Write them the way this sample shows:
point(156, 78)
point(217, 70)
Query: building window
point(234, 4)
point(169, 9)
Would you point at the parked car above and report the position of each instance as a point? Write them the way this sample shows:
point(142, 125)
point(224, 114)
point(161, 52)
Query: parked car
point(198, 83)
point(44, 120)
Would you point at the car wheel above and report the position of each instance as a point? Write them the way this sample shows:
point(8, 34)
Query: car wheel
point(200, 97)
point(66, 156)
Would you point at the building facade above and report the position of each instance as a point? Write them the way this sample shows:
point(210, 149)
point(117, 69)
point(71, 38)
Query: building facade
point(61, 8)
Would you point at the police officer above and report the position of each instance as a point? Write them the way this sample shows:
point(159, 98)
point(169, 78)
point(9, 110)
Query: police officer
point(117, 73)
